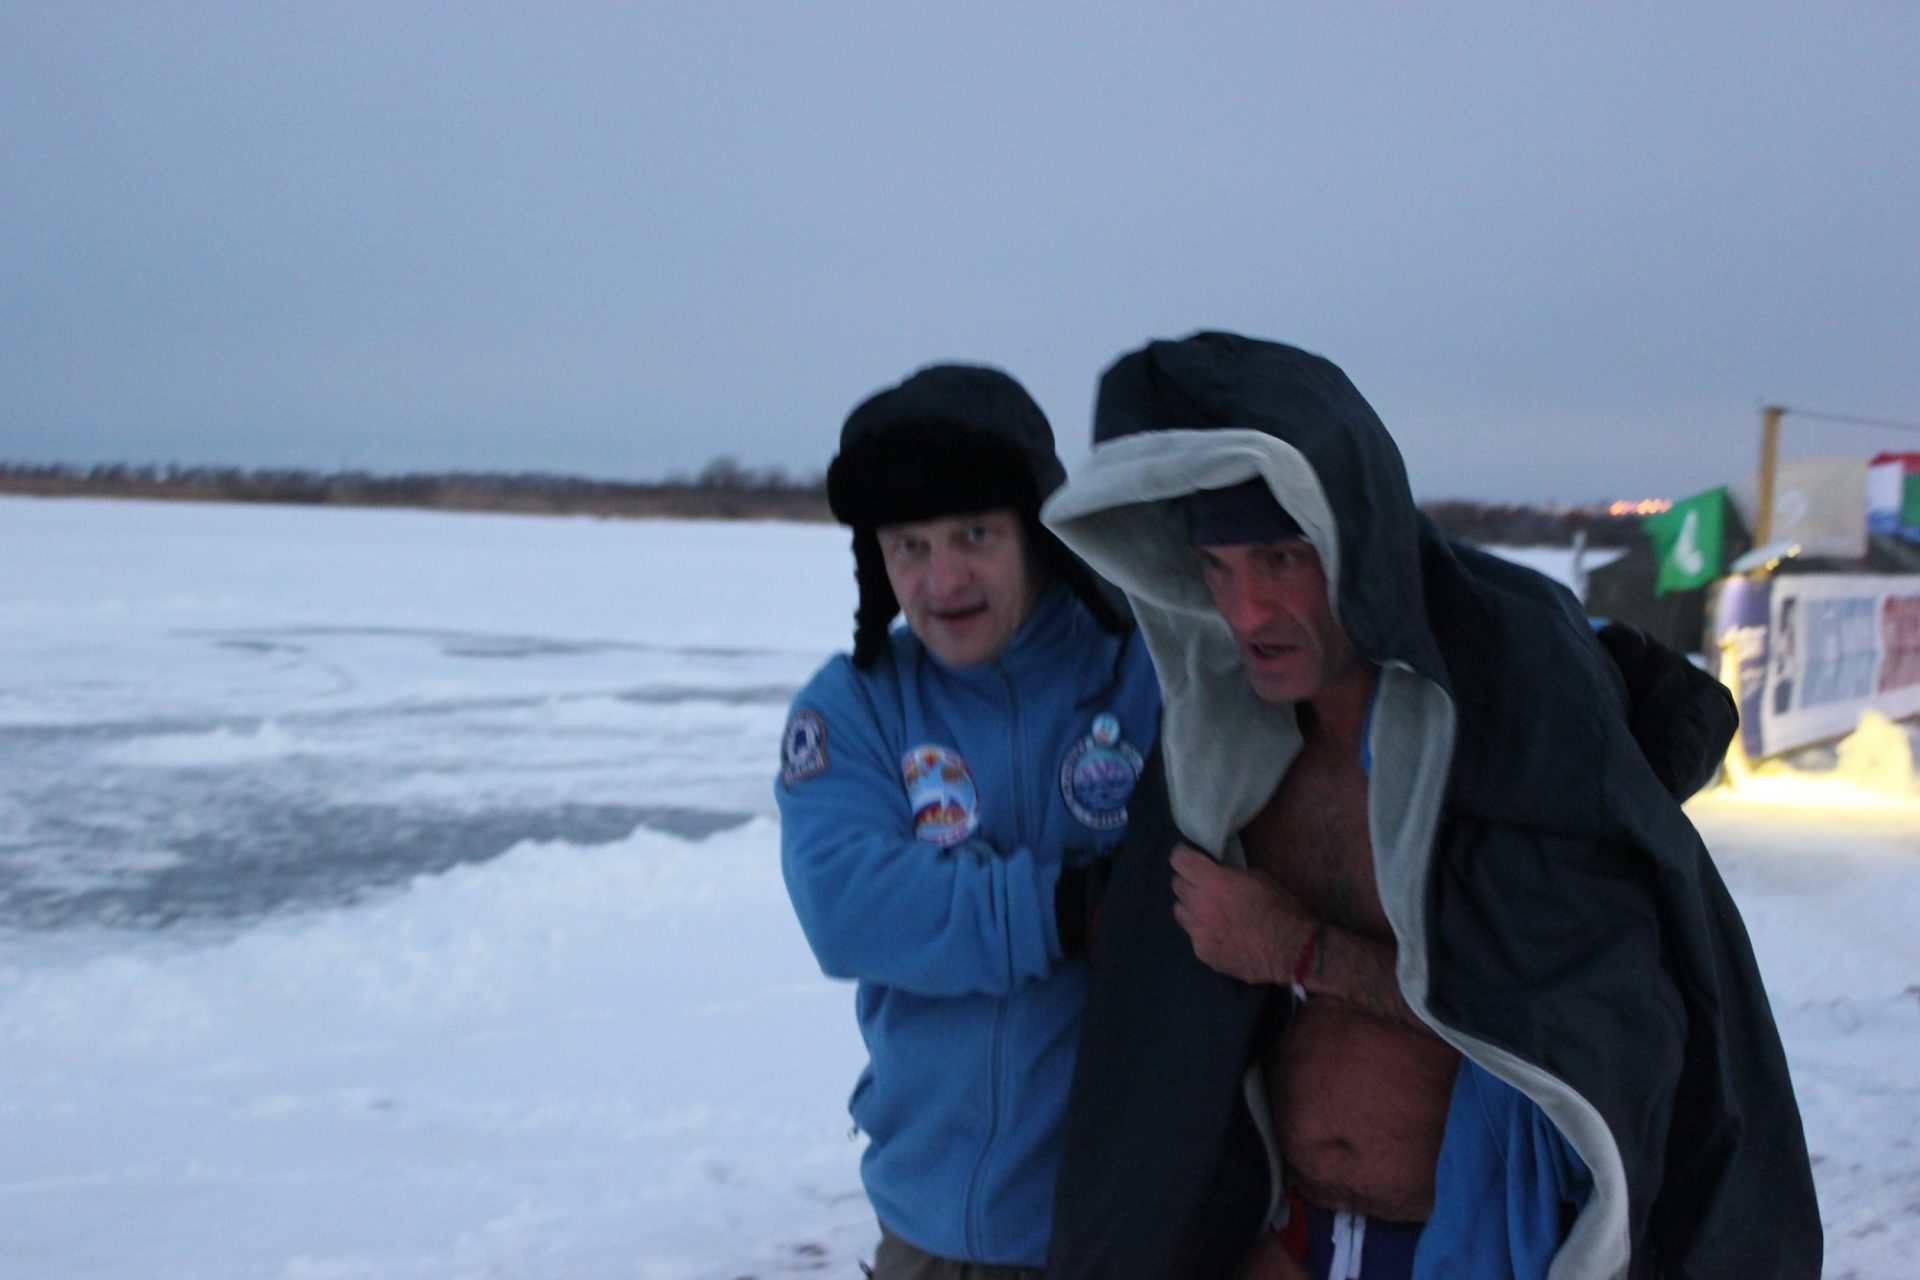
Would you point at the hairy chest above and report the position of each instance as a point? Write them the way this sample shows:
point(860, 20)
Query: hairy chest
point(1312, 837)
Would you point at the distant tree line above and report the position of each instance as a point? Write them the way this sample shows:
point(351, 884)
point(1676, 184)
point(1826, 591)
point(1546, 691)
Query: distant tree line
point(725, 489)
point(1512, 525)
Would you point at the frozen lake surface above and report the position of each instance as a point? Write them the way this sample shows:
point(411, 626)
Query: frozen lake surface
point(395, 896)
point(212, 714)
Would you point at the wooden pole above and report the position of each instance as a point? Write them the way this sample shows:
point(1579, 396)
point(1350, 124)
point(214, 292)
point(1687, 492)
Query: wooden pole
point(1769, 464)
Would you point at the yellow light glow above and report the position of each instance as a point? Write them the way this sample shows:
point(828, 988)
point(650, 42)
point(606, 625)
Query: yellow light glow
point(1641, 507)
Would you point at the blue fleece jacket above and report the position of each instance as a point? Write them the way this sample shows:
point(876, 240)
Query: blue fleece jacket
point(926, 812)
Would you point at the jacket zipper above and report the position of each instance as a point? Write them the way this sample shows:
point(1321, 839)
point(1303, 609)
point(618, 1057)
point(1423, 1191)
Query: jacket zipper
point(997, 1048)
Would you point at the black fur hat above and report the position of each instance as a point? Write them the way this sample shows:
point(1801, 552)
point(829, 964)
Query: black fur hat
point(951, 440)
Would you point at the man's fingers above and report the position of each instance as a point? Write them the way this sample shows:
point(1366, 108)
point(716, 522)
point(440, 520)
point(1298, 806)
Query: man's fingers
point(1193, 908)
point(1196, 936)
point(1186, 883)
point(1190, 864)
point(1192, 884)
point(1192, 914)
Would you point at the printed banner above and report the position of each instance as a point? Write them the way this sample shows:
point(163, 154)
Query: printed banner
point(1836, 645)
point(1740, 618)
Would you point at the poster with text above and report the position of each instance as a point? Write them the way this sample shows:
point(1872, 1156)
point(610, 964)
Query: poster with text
point(1837, 645)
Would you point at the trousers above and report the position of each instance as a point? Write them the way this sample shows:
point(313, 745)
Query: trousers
point(895, 1259)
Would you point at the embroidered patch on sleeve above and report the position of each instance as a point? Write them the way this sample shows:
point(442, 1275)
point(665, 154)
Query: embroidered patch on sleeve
point(941, 793)
point(803, 748)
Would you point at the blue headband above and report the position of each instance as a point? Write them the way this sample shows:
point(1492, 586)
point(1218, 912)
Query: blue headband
point(1243, 514)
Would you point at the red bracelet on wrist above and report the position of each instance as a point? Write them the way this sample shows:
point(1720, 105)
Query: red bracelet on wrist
point(1311, 960)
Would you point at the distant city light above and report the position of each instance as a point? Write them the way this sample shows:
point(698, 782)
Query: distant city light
point(1644, 507)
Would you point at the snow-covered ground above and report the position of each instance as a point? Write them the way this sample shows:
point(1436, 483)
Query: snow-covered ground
point(393, 896)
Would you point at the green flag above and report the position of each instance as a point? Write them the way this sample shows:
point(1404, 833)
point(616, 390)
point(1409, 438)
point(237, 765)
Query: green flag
point(1687, 537)
point(1910, 507)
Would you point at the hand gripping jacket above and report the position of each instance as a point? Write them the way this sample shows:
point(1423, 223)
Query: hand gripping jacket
point(926, 813)
point(1557, 918)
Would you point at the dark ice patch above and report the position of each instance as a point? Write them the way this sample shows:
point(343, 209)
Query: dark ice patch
point(279, 857)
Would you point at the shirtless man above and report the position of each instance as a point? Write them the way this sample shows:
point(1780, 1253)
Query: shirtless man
point(1411, 965)
point(1358, 1085)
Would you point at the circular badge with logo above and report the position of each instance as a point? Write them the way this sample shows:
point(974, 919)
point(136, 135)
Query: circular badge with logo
point(1097, 776)
point(941, 793)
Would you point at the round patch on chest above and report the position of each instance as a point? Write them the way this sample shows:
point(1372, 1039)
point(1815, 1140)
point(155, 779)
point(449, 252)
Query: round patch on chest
point(1098, 775)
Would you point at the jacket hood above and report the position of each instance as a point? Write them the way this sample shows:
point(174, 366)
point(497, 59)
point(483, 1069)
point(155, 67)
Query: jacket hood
point(1215, 409)
point(1211, 411)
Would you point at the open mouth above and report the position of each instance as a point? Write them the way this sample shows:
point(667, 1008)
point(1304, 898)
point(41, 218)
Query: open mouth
point(956, 617)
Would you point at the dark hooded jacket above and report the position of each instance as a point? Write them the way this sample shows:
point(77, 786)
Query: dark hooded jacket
point(1557, 918)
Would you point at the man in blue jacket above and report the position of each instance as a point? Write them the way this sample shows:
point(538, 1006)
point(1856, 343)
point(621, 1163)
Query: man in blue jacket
point(944, 791)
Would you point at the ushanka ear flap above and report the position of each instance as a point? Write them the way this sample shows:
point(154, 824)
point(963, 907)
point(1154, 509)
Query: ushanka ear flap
point(877, 608)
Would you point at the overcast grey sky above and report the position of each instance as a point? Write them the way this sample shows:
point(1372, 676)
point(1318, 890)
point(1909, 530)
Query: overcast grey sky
point(1567, 250)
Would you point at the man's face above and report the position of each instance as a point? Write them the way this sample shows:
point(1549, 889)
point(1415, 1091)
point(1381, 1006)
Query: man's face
point(965, 583)
point(1273, 597)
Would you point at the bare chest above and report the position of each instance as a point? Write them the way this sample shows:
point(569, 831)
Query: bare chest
point(1358, 1101)
point(1312, 837)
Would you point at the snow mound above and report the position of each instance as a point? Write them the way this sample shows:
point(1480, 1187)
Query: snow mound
point(222, 746)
